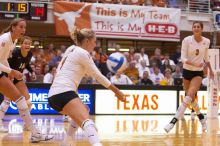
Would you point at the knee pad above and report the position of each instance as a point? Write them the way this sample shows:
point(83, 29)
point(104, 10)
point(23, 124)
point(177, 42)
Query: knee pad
point(21, 103)
point(187, 100)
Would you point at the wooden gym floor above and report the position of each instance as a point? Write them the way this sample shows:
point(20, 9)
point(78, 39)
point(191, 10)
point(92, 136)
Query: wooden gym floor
point(120, 130)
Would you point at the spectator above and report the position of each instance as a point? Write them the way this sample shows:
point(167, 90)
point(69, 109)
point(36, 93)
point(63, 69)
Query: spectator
point(132, 73)
point(177, 73)
point(168, 80)
point(117, 48)
point(48, 77)
point(168, 60)
point(120, 79)
point(46, 69)
point(145, 79)
point(100, 60)
point(56, 59)
point(176, 56)
point(142, 67)
point(157, 57)
point(152, 68)
point(156, 76)
point(131, 54)
point(144, 56)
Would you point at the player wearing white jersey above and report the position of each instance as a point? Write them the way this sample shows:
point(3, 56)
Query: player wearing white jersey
point(16, 30)
point(63, 92)
point(194, 55)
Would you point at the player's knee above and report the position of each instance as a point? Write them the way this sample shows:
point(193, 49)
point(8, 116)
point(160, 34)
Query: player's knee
point(187, 100)
point(21, 103)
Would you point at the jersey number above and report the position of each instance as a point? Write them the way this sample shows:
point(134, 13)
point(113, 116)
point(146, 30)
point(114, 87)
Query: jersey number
point(22, 65)
point(63, 62)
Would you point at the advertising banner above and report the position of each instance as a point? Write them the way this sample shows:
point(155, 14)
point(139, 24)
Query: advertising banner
point(118, 21)
point(202, 99)
point(138, 102)
point(39, 98)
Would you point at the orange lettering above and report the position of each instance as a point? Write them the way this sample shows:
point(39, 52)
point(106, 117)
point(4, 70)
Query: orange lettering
point(135, 125)
point(124, 126)
point(153, 98)
point(145, 102)
point(135, 102)
point(117, 126)
point(203, 103)
point(145, 125)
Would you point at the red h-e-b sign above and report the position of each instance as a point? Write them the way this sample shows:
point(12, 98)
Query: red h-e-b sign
point(155, 28)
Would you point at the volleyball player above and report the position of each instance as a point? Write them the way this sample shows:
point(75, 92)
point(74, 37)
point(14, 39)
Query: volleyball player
point(19, 60)
point(194, 55)
point(63, 95)
point(8, 39)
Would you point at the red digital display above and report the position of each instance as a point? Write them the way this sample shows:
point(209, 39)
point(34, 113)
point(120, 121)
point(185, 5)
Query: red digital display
point(35, 11)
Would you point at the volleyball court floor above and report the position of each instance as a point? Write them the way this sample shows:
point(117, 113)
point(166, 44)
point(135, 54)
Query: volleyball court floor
point(118, 130)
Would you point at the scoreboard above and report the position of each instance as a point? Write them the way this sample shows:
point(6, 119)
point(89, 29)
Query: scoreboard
point(23, 9)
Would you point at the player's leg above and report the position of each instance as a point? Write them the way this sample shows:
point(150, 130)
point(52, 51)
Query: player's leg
point(21, 86)
point(72, 105)
point(193, 113)
point(3, 109)
point(194, 87)
point(15, 95)
point(181, 109)
point(77, 111)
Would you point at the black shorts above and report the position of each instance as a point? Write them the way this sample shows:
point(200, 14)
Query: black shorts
point(15, 81)
point(58, 101)
point(3, 74)
point(188, 74)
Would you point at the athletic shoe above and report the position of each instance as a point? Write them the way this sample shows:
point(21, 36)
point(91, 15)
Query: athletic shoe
point(35, 138)
point(3, 129)
point(168, 127)
point(204, 124)
point(193, 115)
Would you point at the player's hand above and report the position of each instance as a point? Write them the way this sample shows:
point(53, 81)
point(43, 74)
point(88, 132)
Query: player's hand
point(16, 74)
point(120, 96)
point(200, 65)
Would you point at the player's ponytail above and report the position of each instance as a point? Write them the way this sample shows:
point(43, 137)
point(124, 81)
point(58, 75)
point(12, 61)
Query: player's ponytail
point(78, 36)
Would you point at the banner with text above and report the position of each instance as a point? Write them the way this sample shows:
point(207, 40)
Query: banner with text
point(39, 99)
point(137, 102)
point(119, 21)
point(201, 98)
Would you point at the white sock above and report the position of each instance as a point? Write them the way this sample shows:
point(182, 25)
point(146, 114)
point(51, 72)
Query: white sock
point(72, 128)
point(90, 131)
point(25, 114)
point(3, 108)
point(195, 106)
point(182, 108)
point(29, 104)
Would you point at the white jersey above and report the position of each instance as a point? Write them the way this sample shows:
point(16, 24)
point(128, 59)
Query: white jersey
point(194, 52)
point(75, 64)
point(6, 46)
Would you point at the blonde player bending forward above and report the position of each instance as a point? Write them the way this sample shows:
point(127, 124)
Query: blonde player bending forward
point(63, 95)
point(194, 55)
